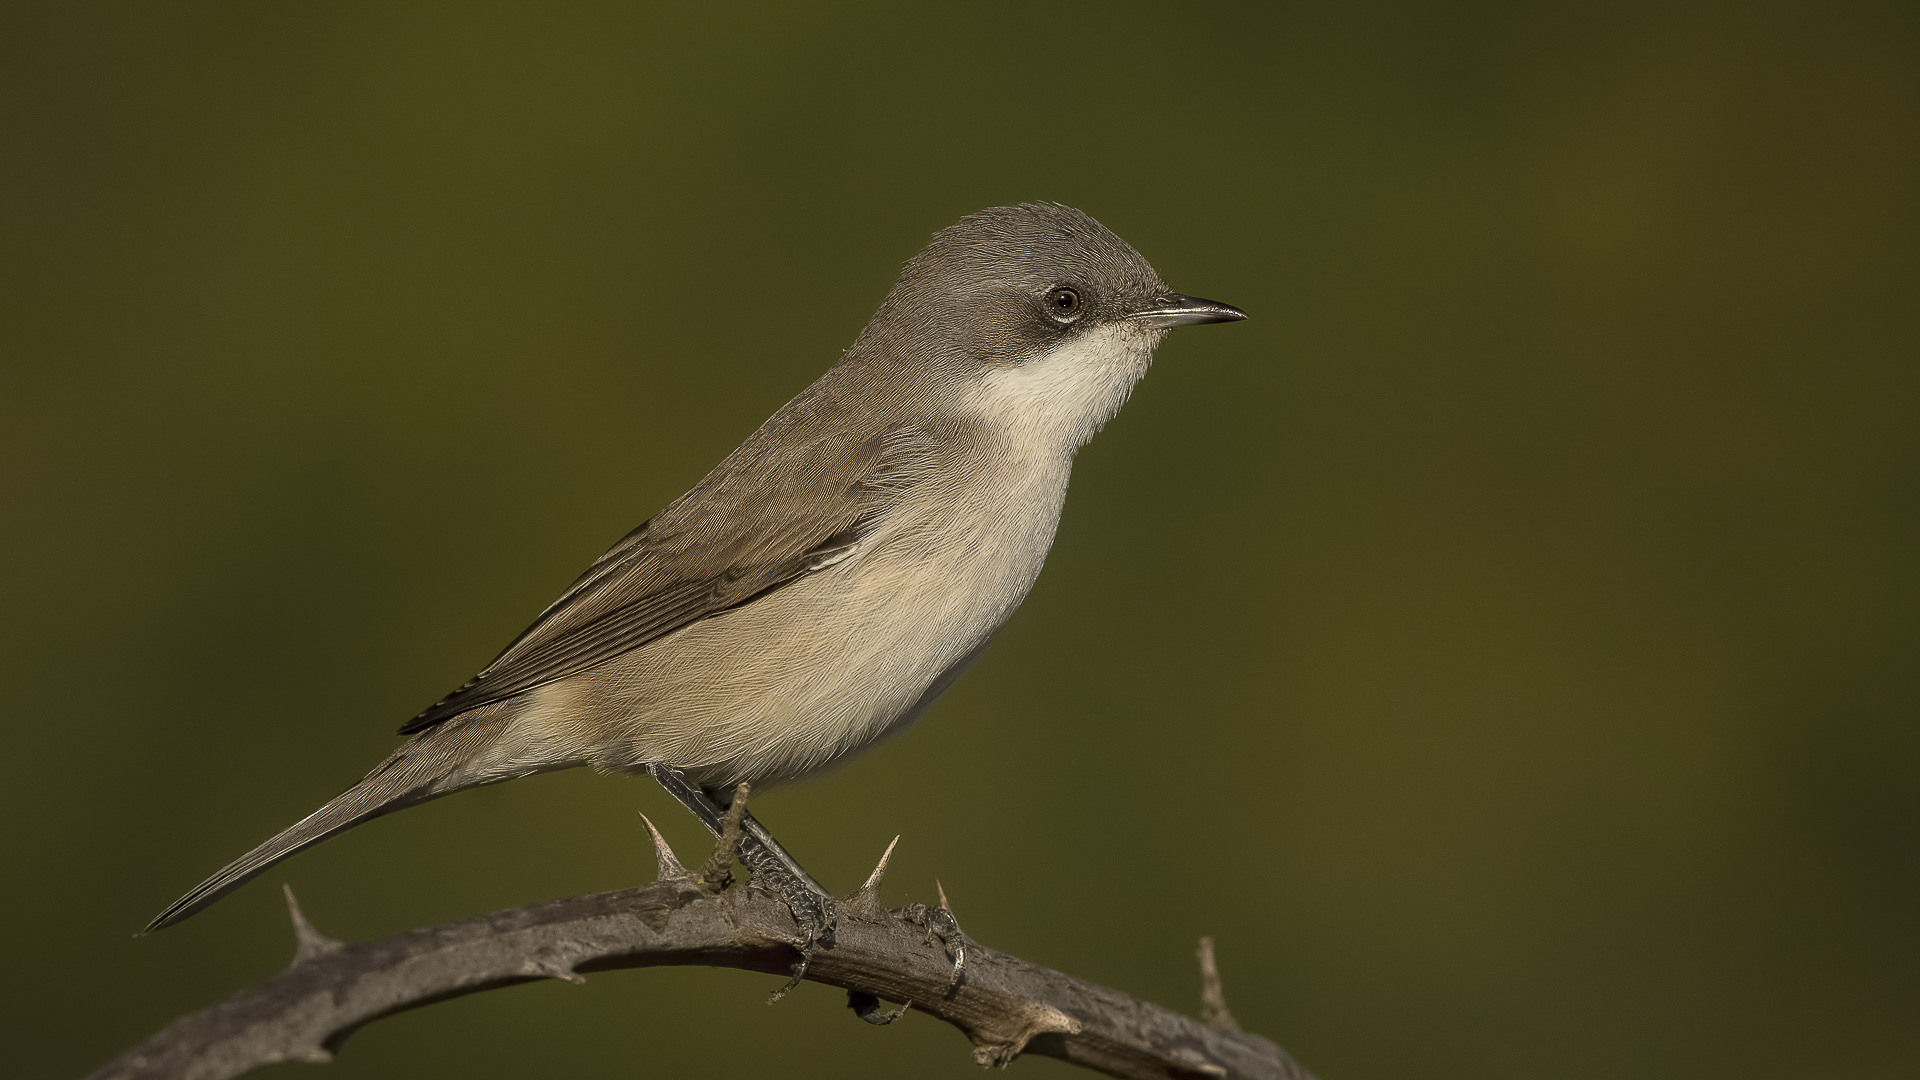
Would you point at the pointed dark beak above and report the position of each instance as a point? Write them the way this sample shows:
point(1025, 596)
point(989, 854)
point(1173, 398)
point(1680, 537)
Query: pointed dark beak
point(1177, 310)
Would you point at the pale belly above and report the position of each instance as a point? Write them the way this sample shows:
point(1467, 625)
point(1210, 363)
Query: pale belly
point(791, 683)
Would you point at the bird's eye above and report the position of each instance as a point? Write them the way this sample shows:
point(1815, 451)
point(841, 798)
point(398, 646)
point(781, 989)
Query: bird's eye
point(1063, 304)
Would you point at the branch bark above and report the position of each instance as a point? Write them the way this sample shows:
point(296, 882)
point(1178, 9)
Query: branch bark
point(1004, 1005)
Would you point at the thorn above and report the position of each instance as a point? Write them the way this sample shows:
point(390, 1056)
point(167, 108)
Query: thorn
point(865, 903)
point(548, 967)
point(880, 869)
point(1213, 1003)
point(1034, 1018)
point(308, 943)
point(717, 873)
point(663, 856)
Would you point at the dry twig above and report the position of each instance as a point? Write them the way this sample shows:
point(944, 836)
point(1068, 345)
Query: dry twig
point(1005, 1005)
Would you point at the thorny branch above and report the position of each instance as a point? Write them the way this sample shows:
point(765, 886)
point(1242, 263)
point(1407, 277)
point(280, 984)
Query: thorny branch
point(1004, 1005)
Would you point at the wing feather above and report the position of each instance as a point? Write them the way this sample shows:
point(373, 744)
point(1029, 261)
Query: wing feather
point(741, 533)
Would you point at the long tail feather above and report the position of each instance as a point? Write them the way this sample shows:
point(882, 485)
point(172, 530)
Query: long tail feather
point(402, 780)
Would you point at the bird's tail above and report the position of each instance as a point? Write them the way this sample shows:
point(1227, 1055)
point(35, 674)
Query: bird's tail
point(414, 774)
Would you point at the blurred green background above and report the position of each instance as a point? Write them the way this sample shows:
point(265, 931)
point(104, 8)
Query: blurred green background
point(1504, 644)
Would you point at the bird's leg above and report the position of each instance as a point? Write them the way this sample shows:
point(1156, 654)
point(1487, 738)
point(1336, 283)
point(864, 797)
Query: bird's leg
point(767, 855)
point(774, 871)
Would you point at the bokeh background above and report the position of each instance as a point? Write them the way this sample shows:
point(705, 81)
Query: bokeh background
point(1504, 644)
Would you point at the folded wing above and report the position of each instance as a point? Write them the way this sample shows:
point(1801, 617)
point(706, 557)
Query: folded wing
point(749, 528)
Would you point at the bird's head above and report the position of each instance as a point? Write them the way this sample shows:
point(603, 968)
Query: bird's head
point(1035, 313)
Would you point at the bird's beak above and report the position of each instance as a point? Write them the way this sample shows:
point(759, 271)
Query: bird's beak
point(1177, 310)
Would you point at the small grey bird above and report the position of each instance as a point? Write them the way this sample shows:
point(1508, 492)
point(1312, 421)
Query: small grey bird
point(820, 587)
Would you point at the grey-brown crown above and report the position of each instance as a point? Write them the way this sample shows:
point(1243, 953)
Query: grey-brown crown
point(1036, 245)
point(981, 285)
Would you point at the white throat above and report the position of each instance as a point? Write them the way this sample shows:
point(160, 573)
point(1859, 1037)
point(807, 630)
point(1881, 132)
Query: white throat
point(1060, 399)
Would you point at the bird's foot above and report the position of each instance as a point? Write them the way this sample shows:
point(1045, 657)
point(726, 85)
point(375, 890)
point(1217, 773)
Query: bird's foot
point(774, 871)
point(941, 925)
point(814, 912)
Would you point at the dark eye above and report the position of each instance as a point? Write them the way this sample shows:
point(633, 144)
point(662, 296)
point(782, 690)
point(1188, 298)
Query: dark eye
point(1063, 304)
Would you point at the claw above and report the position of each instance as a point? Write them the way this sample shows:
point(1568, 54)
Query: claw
point(866, 1006)
point(669, 863)
point(814, 913)
point(941, 926)
point(950, 935)
point(815, 916)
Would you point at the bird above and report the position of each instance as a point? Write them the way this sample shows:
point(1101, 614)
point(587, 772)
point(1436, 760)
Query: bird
point(818, 589)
